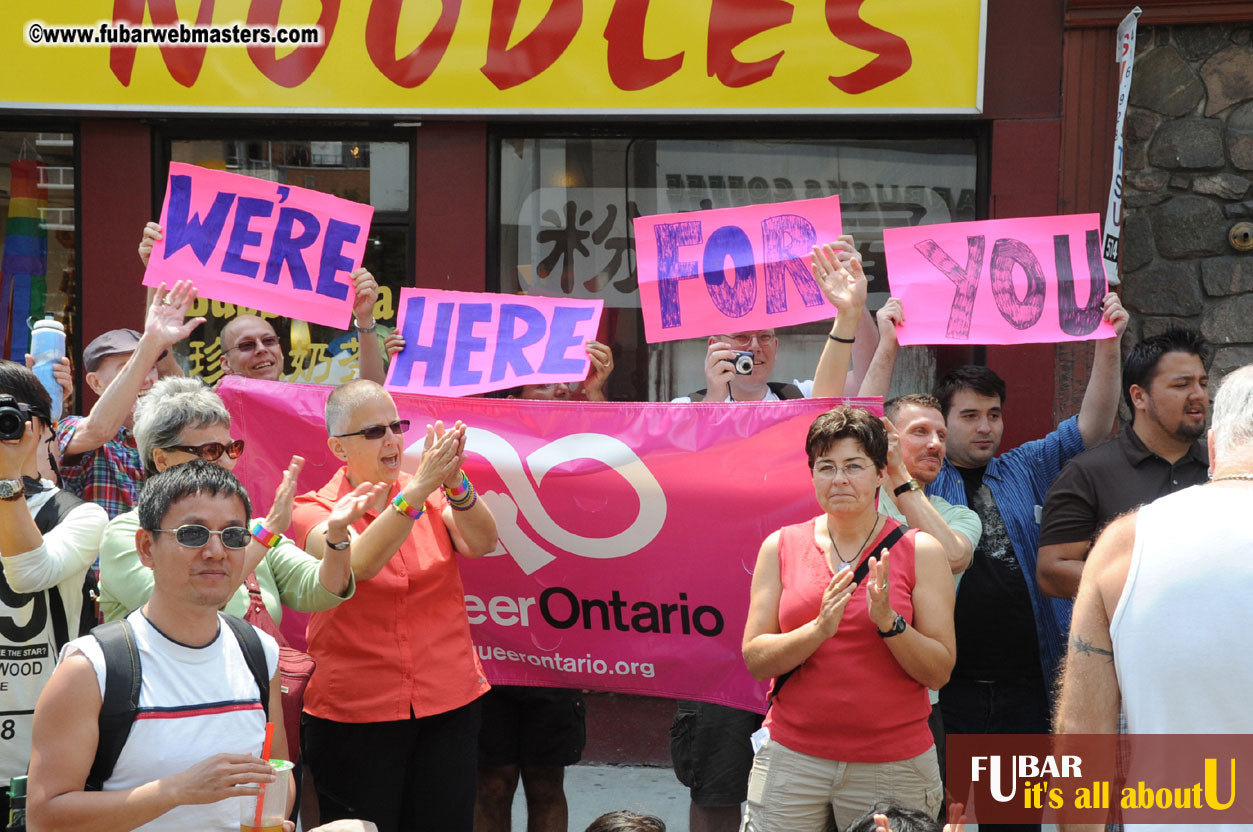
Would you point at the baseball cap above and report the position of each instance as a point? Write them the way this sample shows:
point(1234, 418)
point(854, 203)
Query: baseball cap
point(113, 342)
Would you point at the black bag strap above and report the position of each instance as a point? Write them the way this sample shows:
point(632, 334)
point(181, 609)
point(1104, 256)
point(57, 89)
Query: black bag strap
point(123, 675)
point(254, 655)
point(893, 537)
point(781, 389)
point(49, 516)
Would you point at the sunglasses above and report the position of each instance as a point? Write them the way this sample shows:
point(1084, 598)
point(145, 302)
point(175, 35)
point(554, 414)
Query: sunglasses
point(211, 451)
point(194, 536)
point(376, 431)
point(269, 342)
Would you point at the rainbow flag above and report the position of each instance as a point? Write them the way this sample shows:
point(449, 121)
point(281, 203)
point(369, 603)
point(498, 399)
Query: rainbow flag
point(23, 288)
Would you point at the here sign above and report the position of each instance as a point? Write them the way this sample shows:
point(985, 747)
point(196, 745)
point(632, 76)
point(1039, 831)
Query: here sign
point(732, 269)
point(260, 244)
point(1027, 280)
point(462, 343)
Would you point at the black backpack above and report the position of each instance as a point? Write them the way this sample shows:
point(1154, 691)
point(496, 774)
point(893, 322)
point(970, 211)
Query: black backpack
point(123, 675)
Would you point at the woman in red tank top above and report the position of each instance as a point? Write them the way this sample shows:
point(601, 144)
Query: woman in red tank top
point(850, 726)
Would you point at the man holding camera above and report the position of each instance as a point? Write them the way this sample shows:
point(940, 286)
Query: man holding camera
point(48, 539)
point(709, 744)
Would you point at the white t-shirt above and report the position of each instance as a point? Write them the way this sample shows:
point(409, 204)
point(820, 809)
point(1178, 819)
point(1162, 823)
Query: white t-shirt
point(194, 702)
point(806, 388)
point(28, 652)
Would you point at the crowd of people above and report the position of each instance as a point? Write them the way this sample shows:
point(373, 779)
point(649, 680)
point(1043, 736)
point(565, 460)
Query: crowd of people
point(930, 594)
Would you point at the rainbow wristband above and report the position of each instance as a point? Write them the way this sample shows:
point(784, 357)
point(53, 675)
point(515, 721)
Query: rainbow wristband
point(402, 507)
point(264, 536)
point(459, 493)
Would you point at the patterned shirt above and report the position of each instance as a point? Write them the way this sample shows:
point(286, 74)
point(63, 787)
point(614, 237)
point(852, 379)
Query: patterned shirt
point(1018, 481)
point(109, 475)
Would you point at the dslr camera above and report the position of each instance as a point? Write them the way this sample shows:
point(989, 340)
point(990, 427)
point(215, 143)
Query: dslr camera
point(13, 417)
point(743, 363)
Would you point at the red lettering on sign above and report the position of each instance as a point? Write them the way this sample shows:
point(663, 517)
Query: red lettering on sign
point(537, 51)
point(183, 62)
point(629, 68)
point(893, 58)
point(294, 69)
point(731, 22)
point(417, 66)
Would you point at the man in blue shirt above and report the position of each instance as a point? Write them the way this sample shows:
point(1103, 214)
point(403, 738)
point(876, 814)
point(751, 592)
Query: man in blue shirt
point(1009, 635)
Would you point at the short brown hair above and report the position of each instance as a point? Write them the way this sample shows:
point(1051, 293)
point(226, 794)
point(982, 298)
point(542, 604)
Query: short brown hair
point(847, 422)
point(625, 821)
point(892, 407)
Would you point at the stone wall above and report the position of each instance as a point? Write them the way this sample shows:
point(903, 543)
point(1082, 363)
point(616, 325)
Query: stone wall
point(1188, 180)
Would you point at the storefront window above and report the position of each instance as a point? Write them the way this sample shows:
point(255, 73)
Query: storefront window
point(566, 206)
point(37, 235)
point(372, 172)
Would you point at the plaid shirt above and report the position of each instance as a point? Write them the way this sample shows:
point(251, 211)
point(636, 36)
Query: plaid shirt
point(109, 475)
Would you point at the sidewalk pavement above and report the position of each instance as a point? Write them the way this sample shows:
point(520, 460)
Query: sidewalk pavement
point(592, 790)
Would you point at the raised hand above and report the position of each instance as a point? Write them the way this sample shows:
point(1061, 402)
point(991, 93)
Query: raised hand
point(598, 371)
point(878, 590)
point(152, 233)
point(1113, 312)
point(889, 317)
point(956, 818)
point(367, 292)
point(834, 600)
point(393, 344)
point(896, 461)
point(63, 373)
point(166, 321)
point(352, 507)
point(441, 455)
point(279, 517)
point(838, 271)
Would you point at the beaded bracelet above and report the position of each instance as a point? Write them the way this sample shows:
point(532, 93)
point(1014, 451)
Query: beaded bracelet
point(459, 492)
point(403, 508)
point(264, 536)
point(465, 506)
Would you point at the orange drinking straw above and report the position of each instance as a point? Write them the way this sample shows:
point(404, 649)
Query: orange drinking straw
point(265, 755)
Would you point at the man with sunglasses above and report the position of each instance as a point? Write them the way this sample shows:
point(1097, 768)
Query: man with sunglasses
point(188, 768)
point(391, 717)
point(99, 460)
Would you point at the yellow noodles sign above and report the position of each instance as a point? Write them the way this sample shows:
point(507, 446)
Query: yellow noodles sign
point(503, 57)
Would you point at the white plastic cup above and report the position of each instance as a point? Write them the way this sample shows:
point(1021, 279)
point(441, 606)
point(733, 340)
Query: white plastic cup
point(273, 802)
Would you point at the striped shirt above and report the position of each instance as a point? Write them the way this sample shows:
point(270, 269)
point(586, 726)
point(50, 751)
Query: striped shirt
point(1018, 481)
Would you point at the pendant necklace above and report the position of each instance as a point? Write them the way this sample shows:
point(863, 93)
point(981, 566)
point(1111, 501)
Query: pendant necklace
point(836, 549)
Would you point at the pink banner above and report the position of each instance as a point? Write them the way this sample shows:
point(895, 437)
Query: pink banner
point(628, 532)
point(460, 343)
point(1017, 281)
point(260, 244)
point(732, 269)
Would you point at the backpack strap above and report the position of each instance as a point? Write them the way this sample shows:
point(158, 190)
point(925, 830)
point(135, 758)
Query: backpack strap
point(254, 655)
point(893, 537)
point(49, 516)
point(123, 675)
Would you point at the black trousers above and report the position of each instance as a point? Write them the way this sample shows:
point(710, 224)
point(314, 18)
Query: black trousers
point(412, 775)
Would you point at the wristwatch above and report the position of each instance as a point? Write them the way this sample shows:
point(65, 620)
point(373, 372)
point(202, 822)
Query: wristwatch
point(911, 485)
point(898, 627)
point(11, 490)
point(337, 547)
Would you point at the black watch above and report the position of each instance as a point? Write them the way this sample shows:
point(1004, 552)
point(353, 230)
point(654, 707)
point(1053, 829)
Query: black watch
point(898, 627)
point(905, 487)
point(336, 547)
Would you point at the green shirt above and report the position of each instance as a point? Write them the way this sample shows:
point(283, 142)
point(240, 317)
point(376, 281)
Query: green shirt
point(287, 575)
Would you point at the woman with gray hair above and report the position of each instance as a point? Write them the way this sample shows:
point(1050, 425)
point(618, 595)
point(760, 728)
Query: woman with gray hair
point(180, 419)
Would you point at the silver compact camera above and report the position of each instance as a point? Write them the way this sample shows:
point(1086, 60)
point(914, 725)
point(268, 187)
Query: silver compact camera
point(743, 363)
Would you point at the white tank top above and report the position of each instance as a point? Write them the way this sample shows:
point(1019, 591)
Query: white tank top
point(1181, 628)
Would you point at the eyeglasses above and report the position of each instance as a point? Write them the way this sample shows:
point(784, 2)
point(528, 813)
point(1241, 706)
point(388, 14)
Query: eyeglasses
point(376, 431)
point(744, 339)
point(211, 451)
point(194, 536)
point(851, 470)
point(268, 341)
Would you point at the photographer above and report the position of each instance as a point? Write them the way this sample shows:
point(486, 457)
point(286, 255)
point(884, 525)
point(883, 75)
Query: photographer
point(48, 539)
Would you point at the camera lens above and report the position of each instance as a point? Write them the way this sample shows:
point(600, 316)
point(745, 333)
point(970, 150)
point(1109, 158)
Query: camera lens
point(744, 363)
point(12, 425)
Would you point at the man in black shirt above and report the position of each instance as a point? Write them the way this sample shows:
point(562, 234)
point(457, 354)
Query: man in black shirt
point(1165, 384)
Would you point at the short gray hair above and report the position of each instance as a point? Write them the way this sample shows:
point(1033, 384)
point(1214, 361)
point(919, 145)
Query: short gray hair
point(1233, 412)
point(172, 405)
point(345, 398)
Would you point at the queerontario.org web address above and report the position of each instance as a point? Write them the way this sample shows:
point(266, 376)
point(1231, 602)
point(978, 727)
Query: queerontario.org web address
point(567, 664)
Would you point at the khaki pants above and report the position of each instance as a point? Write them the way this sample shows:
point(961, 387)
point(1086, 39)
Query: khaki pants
point(793, 792)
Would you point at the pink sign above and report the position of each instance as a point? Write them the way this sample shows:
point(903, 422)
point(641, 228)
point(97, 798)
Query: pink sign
point(260, 244)
point(999, 281)
point(460, 343)
point(628, 532)
point(732, 269)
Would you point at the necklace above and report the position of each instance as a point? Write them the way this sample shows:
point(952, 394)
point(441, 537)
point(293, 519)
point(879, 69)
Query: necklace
point(1232, 477)
point(836, 549)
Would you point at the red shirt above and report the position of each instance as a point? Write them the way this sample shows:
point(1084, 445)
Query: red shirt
point(403, 640)
point(850, 700)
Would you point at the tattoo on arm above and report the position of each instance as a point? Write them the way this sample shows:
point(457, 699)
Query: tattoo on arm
point(1080, 646)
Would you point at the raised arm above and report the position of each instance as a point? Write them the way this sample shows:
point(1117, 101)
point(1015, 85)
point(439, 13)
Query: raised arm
point(837, 269)
point(878, 379)
point(927, 650)
point(369, 351)
point(1100, 399)
point(918, 510)
point(767, 651)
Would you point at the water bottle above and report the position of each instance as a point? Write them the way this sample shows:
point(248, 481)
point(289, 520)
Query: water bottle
point(17, 805)
point(47, 345)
